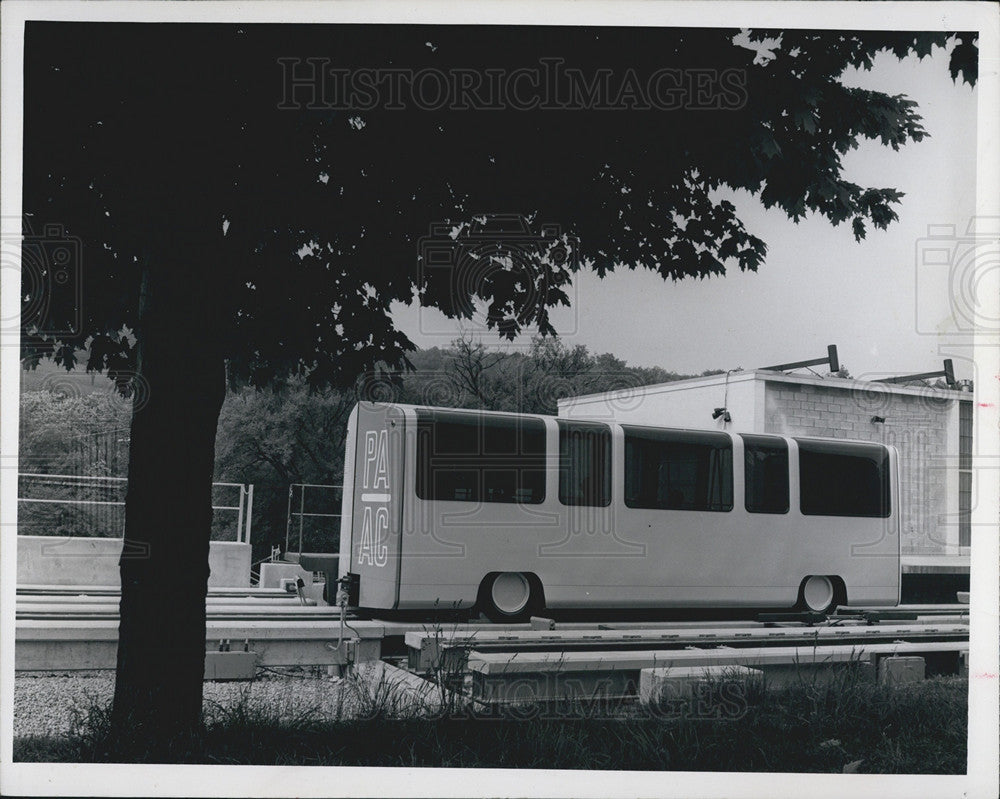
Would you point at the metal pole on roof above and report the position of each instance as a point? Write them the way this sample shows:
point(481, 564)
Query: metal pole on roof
point(831, 358)
point(948, 373)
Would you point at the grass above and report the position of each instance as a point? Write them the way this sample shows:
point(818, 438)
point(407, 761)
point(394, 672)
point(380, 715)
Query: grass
point(810, 726)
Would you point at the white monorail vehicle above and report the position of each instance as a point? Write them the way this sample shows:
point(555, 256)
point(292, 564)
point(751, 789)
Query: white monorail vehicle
point(514, 513)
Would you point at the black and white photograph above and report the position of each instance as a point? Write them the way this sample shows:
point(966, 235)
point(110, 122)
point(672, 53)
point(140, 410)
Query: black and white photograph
point(578, 399)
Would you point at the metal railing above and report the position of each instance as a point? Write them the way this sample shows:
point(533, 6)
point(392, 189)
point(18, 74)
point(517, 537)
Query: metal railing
point(97, 492)
point(324, 537)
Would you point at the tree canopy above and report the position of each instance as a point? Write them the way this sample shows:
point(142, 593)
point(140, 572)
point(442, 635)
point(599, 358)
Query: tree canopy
point(308, 214)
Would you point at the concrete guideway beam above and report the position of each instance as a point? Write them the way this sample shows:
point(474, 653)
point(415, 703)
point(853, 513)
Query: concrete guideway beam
point(112, 601)
point(502, 678)
point(85, 645)
point(520, 662)
point(427, 650)
point(248, 611)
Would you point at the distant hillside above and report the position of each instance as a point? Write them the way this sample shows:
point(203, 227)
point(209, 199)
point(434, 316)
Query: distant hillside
point(48, 376)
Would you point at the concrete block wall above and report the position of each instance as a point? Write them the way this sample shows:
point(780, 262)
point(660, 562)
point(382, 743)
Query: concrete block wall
point(922, 426)
point(56, 560)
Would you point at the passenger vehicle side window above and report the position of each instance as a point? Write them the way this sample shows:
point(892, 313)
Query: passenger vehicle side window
point(765, 469)
point(466, 457)
point(678, 470)
point(843, 480)
point(584, 463)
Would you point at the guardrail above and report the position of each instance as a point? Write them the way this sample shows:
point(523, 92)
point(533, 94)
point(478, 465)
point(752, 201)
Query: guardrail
point(103, 494)
point(298, 538)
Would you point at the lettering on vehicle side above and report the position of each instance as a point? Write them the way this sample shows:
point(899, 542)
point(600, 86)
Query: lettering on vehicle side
point(376, 460)
point(374, 536)
point(374, 546)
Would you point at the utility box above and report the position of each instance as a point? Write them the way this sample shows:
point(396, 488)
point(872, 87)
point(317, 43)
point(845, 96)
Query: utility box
point(272, 575)
point(230, 665)
point(899, 670)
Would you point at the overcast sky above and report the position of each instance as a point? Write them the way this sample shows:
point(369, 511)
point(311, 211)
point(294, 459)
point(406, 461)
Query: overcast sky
point(818, 286)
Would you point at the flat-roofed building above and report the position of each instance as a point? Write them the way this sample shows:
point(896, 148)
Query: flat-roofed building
point(931, 428)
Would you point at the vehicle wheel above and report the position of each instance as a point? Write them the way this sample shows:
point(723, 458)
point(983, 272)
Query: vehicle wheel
point(817, 594)
point(509, 597)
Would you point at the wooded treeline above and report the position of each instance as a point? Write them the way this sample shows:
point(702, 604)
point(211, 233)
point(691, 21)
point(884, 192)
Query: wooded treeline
point(78, 425)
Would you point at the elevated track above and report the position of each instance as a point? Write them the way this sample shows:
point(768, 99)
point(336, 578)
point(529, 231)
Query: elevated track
point(69, 629)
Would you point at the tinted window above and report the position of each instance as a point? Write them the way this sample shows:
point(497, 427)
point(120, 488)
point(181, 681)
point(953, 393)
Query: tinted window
point(480, 458)
point(678, 470)
point(765, 468)
point(584, 464)
point(843, 480)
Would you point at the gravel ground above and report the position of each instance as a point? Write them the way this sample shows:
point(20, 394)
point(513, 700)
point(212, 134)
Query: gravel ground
point(46, 704)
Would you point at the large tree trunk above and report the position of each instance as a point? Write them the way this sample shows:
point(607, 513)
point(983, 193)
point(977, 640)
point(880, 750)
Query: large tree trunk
point(168, 509)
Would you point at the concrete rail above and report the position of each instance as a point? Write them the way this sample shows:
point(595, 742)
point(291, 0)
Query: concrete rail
point(499, 678)
point(434, 650)
point(84, 645)
point(112, 601)
point(48, 589)
point(494, 663)
point(111, 611)
point(94, 561)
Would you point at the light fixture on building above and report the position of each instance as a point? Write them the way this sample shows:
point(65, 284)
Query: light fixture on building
point(878, 420)
point(723, 413)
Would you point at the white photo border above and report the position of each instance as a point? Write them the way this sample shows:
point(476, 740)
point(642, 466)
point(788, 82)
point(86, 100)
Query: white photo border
point(163, 780)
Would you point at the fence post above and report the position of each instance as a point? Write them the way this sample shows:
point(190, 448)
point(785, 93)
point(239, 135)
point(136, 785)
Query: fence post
point(288, 518)
point(239, 517)
point(302, 513)
point(249, 524)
